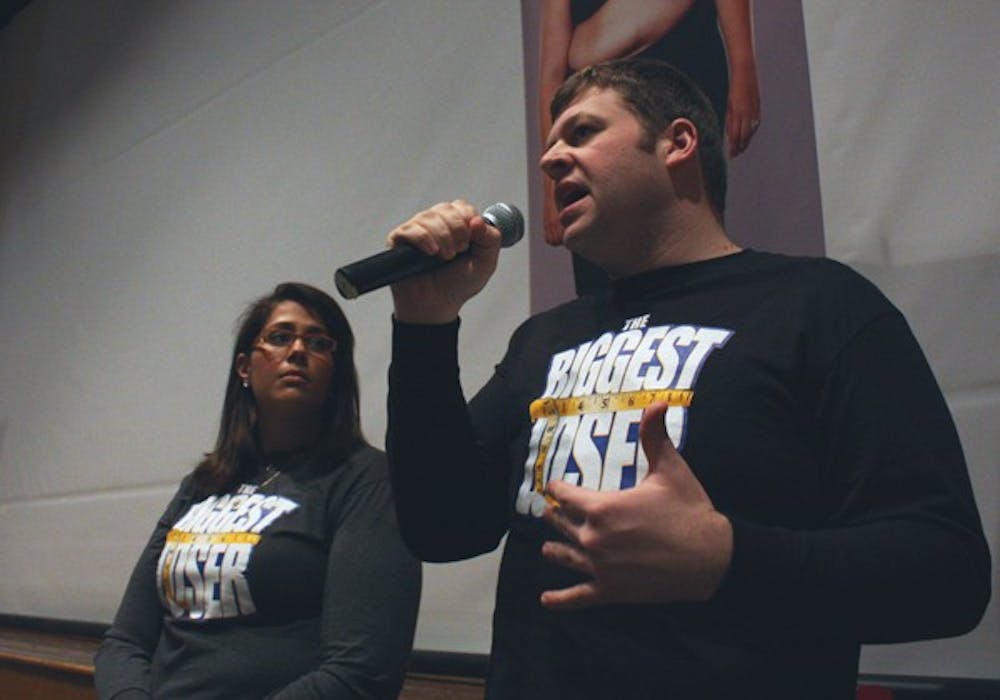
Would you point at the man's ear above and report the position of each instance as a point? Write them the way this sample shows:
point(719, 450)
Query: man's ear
point(679, 142)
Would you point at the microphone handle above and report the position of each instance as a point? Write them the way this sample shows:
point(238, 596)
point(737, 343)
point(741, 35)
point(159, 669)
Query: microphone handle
point(405, 261)
point(382, 269)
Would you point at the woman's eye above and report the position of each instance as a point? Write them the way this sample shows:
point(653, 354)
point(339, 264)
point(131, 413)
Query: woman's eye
point(279, 338)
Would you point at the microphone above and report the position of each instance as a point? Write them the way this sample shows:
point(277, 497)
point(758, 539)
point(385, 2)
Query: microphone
point(404, 261)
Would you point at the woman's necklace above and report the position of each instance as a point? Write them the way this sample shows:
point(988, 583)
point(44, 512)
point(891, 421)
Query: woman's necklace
point(270, 474)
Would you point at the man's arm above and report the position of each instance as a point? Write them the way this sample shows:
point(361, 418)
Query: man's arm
point(903, 556)
point(449, 485)
point(449, 481)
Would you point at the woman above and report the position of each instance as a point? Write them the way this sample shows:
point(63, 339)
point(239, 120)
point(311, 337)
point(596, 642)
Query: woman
point(277, 570)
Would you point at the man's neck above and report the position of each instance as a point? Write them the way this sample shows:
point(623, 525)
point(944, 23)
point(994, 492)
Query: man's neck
point(688, 236)
point(694, 241)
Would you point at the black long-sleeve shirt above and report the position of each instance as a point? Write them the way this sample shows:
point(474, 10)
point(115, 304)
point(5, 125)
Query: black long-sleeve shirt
point(814, 424)
point(295, 586)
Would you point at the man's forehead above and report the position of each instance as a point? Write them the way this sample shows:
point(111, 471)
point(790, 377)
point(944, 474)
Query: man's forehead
point(590, 100)
point(589, 95)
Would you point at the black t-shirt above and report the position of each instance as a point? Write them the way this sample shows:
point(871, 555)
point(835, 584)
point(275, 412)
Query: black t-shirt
point(805, 408)
point(293, 585)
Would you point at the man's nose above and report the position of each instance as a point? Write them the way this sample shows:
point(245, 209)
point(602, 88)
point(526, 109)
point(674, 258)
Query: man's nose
point(555, 162)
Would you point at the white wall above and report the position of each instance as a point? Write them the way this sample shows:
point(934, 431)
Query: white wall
point(906, 107)
point(163, 164)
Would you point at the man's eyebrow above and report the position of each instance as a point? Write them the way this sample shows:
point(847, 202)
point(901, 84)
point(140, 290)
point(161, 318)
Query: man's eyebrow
point(569, 121)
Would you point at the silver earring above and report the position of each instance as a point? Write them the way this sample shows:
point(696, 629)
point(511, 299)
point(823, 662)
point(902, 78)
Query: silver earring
point(246, 384)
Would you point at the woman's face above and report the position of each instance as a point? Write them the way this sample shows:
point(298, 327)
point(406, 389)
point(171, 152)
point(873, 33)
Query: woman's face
point(290, 365)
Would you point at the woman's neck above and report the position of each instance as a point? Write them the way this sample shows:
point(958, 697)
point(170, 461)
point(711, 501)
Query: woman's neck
point(287, 433)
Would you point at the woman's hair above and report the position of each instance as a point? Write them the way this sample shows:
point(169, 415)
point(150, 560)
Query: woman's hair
point(236, 455)
point(657, 93)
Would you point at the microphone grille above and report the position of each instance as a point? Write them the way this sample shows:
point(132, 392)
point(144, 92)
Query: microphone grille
point(507, 219)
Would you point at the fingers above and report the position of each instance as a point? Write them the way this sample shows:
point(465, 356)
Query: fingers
point(732, 131)
point(736, 145)
point(559, 491)
point(444, 230)
point(568, 556)
point(582, 595)
point(483, 237)
point(571, 504)
point(566, 515)
point(653, 435)
point(741, 125)
point(738, 133)
point(747, 129)
point(667, 468)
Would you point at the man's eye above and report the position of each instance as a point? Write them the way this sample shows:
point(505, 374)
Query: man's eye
point(582, 132)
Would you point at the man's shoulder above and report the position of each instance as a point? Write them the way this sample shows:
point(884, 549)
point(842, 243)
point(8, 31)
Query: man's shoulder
point(819, 265)
point(810, 274)
point(568, 313)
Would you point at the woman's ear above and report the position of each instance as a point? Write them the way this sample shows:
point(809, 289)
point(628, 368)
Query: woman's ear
point(242, 367)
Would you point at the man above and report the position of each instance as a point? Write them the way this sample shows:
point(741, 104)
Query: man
point(800, 488)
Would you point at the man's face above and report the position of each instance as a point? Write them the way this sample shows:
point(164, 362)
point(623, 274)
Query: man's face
point(610, 182)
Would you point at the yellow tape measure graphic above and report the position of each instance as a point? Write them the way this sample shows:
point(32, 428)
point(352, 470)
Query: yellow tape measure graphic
point(213, 538)
point(552, 409)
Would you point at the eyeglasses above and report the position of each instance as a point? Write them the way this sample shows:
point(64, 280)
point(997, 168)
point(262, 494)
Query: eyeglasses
point(316, 343)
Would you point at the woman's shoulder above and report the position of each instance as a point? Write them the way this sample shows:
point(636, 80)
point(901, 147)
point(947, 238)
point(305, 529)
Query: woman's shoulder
point(360, 477)
point(367, 458)
point(363, 465)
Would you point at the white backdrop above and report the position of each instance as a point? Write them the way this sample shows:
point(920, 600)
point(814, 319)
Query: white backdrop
point(163, 163)
point(906, 105)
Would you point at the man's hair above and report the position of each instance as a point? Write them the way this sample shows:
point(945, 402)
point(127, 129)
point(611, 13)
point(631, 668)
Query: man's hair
point(236, 453)
point(657, 93)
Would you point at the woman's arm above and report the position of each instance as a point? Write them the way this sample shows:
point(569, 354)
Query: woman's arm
point(743, 107)
point(122, 663)
point(370, 603)
point(556, 31)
